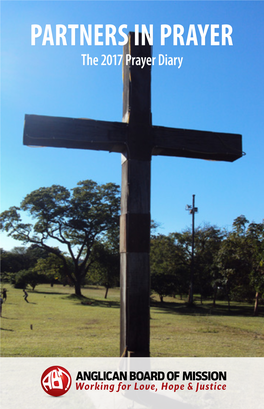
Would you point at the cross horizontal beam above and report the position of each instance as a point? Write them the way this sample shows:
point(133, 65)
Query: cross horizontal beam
point(113, 137)
point(74, 133)
point(196, 144)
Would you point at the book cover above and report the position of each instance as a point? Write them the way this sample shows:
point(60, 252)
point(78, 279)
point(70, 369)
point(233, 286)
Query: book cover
point(163, 99)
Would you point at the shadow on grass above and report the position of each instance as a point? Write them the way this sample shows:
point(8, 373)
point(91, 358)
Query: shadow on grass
point(5, 329)
point(47, 292)
point(92, 302)
point(205, 309)
point(181, 308)
point(104, 303)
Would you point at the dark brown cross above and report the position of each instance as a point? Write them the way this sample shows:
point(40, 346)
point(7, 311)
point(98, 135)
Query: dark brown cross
point(137, 140)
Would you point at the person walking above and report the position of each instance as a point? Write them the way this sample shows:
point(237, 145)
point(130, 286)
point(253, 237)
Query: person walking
point(25, 295)
point(1, 303)
point(4, 292)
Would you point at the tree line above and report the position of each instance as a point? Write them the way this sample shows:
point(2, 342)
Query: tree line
point(85, 220)
point(227, 264)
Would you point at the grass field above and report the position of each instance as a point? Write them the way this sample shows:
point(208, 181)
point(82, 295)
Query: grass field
point(56, 323)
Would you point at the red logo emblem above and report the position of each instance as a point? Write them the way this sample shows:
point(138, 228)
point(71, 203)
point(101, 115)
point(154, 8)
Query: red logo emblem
point(56, 381)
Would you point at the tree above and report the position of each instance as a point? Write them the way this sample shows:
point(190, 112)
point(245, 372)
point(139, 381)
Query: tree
point(106, 266)
point(255, 240)
point(207, 243)
point(167, 266)
point(31, 277)
point(52, 267)
point(34, 253)
point(14, 260)
point(235, 258)
point(207, 240)
point(73, 218)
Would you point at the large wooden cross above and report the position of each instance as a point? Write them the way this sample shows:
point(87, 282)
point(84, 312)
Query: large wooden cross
point(137, 140)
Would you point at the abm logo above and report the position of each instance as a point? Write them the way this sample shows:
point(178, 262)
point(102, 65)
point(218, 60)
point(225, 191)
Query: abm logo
point(56, 381)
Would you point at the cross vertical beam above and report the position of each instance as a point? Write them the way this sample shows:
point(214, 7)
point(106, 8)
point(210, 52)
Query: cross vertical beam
point(135, 205)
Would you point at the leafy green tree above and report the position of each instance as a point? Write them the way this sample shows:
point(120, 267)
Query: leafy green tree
point(167, 266)
point(207, 243)
point(34, 253)
point(106, 266)
point(183, 241)
point(255, 240)
point(29, 277)
point(75, 218)
point(22, 258)
point(236, 258)
point(52, 267)
point(14, 260)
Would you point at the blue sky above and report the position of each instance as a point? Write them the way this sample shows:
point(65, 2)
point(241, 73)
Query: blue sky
point(217, 88)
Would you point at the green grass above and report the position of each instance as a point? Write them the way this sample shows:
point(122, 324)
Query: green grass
point(63, 326)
